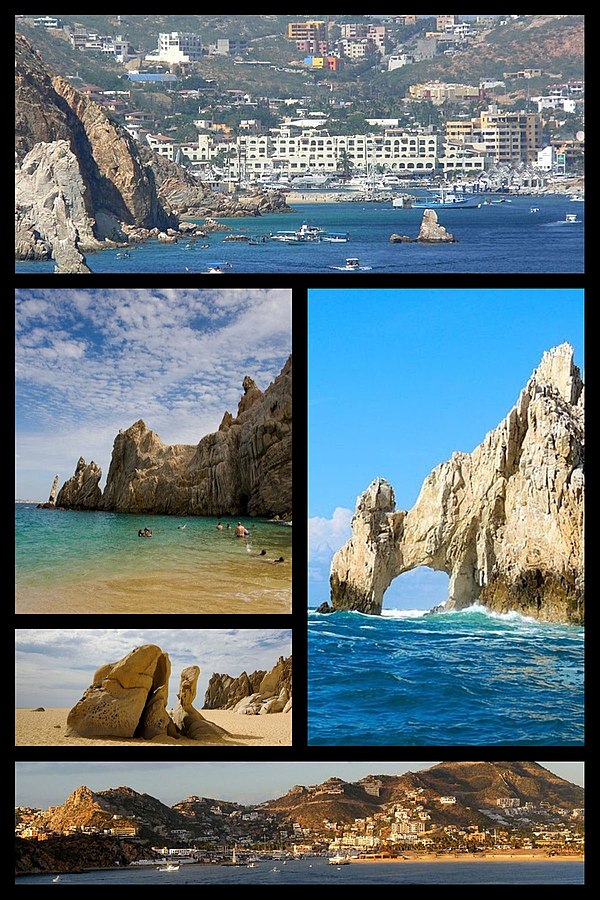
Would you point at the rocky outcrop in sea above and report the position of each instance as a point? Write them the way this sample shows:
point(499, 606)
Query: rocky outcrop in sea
point(505, 522)
point(430, 232)
point(256, 694)
point(244, 468)
point(83, 183)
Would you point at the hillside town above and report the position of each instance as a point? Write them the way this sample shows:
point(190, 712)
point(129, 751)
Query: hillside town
point(521, 130)
point(417, 820)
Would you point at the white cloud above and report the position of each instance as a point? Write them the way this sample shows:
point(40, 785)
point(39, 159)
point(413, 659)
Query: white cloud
point(54, 667)
point(90, 362)
point(325, 536)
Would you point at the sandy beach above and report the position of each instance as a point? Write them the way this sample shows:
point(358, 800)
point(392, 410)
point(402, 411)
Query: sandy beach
point(48, 729)
point(540, 855)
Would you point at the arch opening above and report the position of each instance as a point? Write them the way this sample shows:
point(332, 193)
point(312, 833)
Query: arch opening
point(420, 588)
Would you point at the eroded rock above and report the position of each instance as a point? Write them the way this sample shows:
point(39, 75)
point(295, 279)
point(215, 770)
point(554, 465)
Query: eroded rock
point(188, 720)
point(505, 522)
point(114, 704)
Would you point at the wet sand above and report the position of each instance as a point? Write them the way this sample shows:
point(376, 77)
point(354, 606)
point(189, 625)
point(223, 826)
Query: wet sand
point(48, 729)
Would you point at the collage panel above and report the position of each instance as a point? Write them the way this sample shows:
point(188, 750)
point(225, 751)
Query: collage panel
point(173, 409)
point(446, 499)
point(284, 823)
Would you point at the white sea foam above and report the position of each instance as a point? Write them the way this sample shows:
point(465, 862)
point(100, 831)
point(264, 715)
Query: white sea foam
point(404, 613)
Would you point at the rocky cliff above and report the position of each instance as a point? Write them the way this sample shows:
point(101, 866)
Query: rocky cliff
point(75, 853)
point(258, 693)
point(505, 522)
point(244, 468)
point(95, 183)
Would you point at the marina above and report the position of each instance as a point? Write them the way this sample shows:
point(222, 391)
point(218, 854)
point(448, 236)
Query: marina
point(501, 235)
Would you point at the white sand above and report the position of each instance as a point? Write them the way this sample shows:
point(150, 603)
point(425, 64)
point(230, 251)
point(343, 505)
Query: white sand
point(48, 728)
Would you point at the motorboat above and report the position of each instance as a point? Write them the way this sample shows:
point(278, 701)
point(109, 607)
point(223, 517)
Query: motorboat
point(352, 263)
point(571, 217)
point(306, 233)
point(170, 867)
point(534, 209)
point(123, 254)
point(336, 237)
point(339, 861)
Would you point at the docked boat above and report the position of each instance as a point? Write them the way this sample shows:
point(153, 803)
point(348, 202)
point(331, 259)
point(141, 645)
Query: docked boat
point(170, 867)
point(339, 860)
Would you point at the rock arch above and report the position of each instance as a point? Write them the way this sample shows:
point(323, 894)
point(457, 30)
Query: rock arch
point(505, 522)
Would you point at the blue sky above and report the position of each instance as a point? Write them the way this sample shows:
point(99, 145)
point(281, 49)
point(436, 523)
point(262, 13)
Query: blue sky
point(54, 667)
point(90, 362)
point(41, 784)
point(398, 381)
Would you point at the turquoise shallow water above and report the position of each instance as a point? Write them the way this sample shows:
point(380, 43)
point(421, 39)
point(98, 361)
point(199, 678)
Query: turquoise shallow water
point(468, 677)
point(503, 237)
point(94, 562)
point(318, 871)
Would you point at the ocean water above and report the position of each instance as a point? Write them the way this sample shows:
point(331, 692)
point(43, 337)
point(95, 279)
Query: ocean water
point(94, 562)
point(469, 677)
point(318, 871)
point(502, 237)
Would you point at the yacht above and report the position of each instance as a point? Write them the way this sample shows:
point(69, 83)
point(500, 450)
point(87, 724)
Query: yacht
point(170, 867)
point(339, 861)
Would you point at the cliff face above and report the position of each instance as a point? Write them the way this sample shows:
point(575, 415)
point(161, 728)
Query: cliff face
point(269, 691)
point(245, 468)
point(505, 522)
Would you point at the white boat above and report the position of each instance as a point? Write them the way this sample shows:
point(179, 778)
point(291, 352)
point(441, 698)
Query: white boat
point(339, 861)
point(571, 217)
point(534, 209)
point(577, 198)
point(336, 237)
point(302, 235)
point(170, 867)
point(56, 879)
point(352, 265)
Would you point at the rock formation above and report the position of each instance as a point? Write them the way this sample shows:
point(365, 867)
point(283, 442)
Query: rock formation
point(430, 232)
point(81, 491)
point(115, 703)
point(245, 468)
point(505, 522)
point(95, 185)
point(258, 693)
point(188, 720)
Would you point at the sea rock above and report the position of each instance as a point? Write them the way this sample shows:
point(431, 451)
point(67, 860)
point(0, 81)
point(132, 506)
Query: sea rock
point(50, 208)
point(324, 607)
point(401, 239)
point(115, 702)
point(54, 491)
point(245, 468)
point(188, 720)
point(505, 522)
point(81, 491)
point(431, 232)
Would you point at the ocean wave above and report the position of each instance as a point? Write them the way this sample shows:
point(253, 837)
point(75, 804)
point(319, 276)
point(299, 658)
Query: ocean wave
point(403, 613)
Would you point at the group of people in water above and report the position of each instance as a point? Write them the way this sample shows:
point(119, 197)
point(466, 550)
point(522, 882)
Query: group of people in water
point(240, 531)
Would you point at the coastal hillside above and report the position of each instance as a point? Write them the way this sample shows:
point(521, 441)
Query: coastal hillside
point(475, 787)
point(244, 468)
point(75, 853)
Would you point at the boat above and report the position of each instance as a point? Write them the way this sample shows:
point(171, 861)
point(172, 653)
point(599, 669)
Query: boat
point(304, 234)
point(56, 878)
point(571, 217)
point(339, 861)
point(170, 867)
point(577, 198)
point(124, 254)
point(252, 865)
point(534, 209)
point(443, 200)
point(352, 264)
point(336, 237)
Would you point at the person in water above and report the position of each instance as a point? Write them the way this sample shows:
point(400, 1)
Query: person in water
point(145, 532)
point(240, 531)
point(219, 526)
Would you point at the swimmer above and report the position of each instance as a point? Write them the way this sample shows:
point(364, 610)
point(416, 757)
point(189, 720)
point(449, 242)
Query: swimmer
point(219, 526)
point(182, 527)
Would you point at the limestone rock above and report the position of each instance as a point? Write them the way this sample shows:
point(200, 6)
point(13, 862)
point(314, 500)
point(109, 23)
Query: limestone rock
point(400, 239)
point(155, 719)
point(505, 522)
point(245, 468)
point(53, 491)
point(225, 692)
point(431, 232)
point(81, 491)
point(115, 702)
point(188, 720)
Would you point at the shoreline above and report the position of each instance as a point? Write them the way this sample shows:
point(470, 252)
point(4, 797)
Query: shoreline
point(516, 856)
point(48, 729)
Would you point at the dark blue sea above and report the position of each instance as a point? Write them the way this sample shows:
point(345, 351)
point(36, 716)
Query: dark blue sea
point(500, 237)
point(468, 677)
point(318, 871)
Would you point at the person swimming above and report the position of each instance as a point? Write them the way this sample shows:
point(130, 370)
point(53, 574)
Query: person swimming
point(145, 532)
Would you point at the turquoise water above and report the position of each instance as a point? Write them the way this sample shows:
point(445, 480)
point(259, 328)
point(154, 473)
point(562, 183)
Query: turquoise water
point(469, 677)
point(318, 871)
point(503, 237)
point(94, 562)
